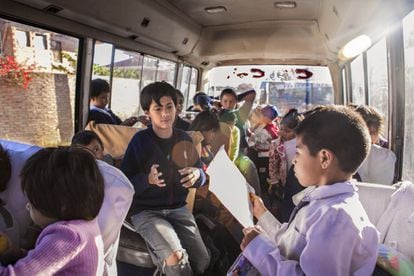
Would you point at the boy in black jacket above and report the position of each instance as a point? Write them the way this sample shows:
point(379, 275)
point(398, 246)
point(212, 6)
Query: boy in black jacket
point(162, 164)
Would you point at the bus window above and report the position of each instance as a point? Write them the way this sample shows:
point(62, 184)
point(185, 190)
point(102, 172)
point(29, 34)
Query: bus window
point(408, 160)
point(102, 59)
point(378, 80)
point(357, 76)
point(184, 85)
point(344, 85)
point(193, 83)
point(284, 86)
point(166, 71)
point(125, 83)
point(37, 91)
point(149, 70)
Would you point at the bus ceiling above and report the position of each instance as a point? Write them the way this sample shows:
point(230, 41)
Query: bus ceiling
point(207, 33)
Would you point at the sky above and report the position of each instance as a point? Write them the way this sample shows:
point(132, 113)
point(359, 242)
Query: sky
point(103, 52)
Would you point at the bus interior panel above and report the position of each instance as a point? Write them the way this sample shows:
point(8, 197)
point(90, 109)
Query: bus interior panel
point(294, 54)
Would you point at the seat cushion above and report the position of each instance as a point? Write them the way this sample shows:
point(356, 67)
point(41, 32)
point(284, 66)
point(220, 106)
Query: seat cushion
point(375, 199)
point(133, 250)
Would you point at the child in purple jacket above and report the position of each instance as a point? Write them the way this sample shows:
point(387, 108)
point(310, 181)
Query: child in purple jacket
point(328, 232)
point(65, 190)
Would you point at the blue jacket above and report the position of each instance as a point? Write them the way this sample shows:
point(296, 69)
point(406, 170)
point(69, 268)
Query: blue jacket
point(146, 149)
point(101, 116)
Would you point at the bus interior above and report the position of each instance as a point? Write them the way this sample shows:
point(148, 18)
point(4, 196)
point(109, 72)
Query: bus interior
point(294, 54)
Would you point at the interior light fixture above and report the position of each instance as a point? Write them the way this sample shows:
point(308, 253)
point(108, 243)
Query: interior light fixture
point(285, 5)
point(356, 46)
point(217, 9)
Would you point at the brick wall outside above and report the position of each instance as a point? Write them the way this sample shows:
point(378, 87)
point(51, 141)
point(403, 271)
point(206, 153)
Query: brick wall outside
point(41, 114)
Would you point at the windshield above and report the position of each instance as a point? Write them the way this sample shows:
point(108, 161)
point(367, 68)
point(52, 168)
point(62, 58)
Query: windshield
point(284, 86)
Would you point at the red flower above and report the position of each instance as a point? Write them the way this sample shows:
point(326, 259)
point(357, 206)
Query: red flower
point(12, 71)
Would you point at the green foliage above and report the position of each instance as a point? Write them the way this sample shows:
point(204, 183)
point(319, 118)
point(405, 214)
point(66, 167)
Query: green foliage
point(100, 70)
point(125, 73)
point(70, 59)
point(68, 67)
point(62, 69)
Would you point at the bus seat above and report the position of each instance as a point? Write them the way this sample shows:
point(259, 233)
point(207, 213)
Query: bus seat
point(375, 199)
point(391, 210)
point(115, 138)
point(132, 248)
point(379, 166)
point(397, 221)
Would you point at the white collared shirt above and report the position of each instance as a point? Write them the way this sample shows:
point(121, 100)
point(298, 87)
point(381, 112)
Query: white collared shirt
point(332, 235)
point(117, 200)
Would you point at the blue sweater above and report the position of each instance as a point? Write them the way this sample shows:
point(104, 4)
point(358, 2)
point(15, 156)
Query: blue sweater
point(172, 154)
point(102, 118)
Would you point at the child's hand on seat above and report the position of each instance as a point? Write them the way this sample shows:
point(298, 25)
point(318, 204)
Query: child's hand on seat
point(258, 206)
point(154, 177)
point(130, 121)
point(191, 175)
point(144, 119)
point(249, 234)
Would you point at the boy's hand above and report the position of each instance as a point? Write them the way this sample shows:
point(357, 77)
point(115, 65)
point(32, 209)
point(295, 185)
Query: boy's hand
point(154, 177)
point(249, 234)
point(130, 121)
point(144, 119)
point(191, 175)
point(258, 206)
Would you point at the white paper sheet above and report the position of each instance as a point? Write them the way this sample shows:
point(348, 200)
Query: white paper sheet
point(230, 187)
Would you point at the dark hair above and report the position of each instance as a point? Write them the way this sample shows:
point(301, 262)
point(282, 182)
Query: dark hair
point(203, 100)
point(99, 86)
point(205, 121)
point(154, 92)
point(5, 168)
point(270, 112)
point(371, 116)
point(227, 116)
point(338, 129)
point(85, 137)
point(63, 183)
point(228, 91)
point(180, 96)
point(292, 119)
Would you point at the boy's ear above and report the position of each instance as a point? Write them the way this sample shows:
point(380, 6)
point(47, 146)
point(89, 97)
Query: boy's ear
point(146, 112)
point(326, 158)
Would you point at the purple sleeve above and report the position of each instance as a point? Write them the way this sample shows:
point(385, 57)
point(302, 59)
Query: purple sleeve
point(54, 250)
point(265, 256)
point(333, 246)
